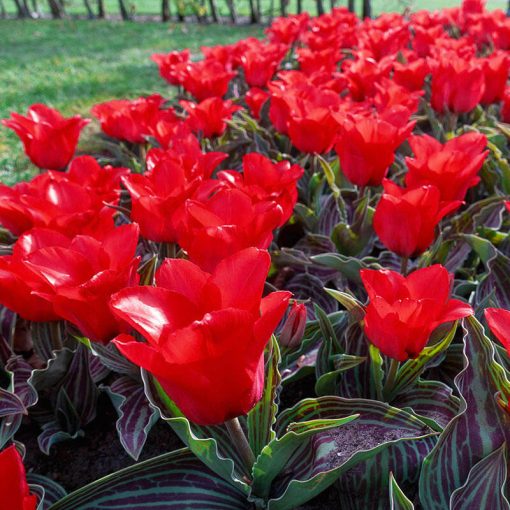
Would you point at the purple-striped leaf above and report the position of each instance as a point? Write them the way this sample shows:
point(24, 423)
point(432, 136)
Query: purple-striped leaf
point(211, 444)
point(136, 415)
point(173, 481)
point(485, 485)
point(47, 491)
point(480, 427)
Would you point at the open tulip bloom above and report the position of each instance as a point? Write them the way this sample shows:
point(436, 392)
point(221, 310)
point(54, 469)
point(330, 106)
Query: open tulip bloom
point(205, 333)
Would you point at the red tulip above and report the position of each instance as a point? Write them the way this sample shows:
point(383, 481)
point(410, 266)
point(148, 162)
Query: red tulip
point(158, 196)
point(49, 139)
point(205, 333)
point(405, 220)
point(495, 70)
point(294, 326)
point(403, 312)
point(311, 125)
point(366, 147)
point(171, 65)
point(286, 30)
point(311, 61)
point(458, 83)
point(264, 180)
point(453, 167)
point(207, 78)
point(260, 61)
point(499, 323)
point(255, 99)
point(13, 482)
point(131, 120)
point(227, 222)
point(54, 201)
point(82, 276)
point(209, 116)
point(19, 286)
point(411, 74)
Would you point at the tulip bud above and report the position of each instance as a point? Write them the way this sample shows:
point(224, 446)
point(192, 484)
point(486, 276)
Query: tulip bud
point(294, 327)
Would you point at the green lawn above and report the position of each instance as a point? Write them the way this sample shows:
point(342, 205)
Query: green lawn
point(73, 64)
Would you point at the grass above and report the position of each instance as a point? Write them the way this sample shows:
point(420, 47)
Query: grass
point(73, 64)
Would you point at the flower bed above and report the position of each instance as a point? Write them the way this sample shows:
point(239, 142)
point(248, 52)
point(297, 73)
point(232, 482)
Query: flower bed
point(299, 263)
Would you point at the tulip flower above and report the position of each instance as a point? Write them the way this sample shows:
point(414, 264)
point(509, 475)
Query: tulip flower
point(499, 323)
point(255, 99)
point(411, 75)
point(158, 196)
point(171, 65)
point(82, 274)
point(225, 223)
point(209, 116)
point(495, 70)
point(205, 332)
point(453, 167)
point(13, 482)
point(260, 61)
point(286, 30)
point(54, 201)
point(131, 120)
point(264, 180)
point(19, 286)
point(458, 83)
point(205, 79)
point(366, 147)
point(294, 326)
point(49, 139)
point(403, 311)
point(405, 220)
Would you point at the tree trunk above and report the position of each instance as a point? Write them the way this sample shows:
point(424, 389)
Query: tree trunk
point(165, 10)
point(101, 13)
point(283, 7)
point(27, 9)
point(35, 8)
point(56, 9)
point(254, 17)
point(3, 12)
point(367, 9)
point(299, 6)
point(320, 8)
point(350, 5)
point(332, 4)
point(123, 11)
point(88, 8)
point(232, 10)
point(214, 11)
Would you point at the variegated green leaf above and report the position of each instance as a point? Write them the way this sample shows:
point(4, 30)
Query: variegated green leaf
point(485, 485)
point(398, 500)
point(461, 444)
point(173, 481)
point(261, 418)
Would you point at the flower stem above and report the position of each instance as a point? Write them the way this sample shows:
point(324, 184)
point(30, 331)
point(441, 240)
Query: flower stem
point(390, 378)
point(403, 265)
point(239, 438)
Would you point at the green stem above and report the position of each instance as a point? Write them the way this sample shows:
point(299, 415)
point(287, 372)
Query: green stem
point(403, 265)
point(239, 439)
point(390, 378)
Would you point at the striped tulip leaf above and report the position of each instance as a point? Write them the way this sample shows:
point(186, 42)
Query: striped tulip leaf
point(136, 416)
point(398, 500)
point(433, 401)
point(175, 480)
point(485, 485)
point(261, 418)
point(47, 491)
point(327, 455)
point(480, 427)
point(211, 444)
point(413, 368)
